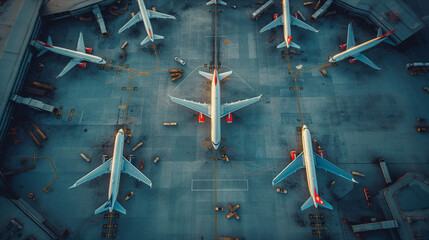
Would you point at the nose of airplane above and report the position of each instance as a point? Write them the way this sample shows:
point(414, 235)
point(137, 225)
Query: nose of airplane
point(304, 127)
point(121, 131)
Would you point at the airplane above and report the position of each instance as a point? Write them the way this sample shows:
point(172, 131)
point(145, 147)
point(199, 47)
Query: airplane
point(215, 110)
point(78, 56)
point(310, 161)
point(355, 51)
point(144, 15)
point(286, 20)
point(115, 165)
point(216, 2)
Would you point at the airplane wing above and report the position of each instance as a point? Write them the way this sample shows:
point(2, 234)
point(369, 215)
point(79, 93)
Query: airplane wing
point(350, 37)
point(137, 18)
point(153, 14)
point(366, 60)
point(273, 24)
point(198, 107)
point(80, 43)
point(301, 24)
point(295, 165)
point(129, 169)
point(234, 106)
point(100, 170)
point(69, 66)
point(327, 166)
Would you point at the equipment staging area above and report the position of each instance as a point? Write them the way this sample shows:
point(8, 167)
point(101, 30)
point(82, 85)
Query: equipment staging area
point(356, 113)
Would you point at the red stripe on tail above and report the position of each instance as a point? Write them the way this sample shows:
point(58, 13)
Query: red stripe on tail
point(318, 199)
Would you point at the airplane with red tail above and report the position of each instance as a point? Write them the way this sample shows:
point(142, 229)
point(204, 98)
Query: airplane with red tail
point(215, 110)
point(310, 161)
point(78, 57)
point(356, 51)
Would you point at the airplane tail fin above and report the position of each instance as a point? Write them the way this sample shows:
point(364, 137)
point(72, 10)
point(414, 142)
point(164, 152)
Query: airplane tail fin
point(44, 50)
point(103, 207)
point(216, 2)
point(147, 39)
point(310, 203)
point(49, 40)
point(107, 205)
point(379, 33)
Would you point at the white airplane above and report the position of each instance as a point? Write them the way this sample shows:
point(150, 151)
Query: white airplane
point(78, 56)
point(215, 110)
point(144, 15)
point(216, 2)
point(355, 51)
point(115, 165)
point(310, 161)
point(286, 20)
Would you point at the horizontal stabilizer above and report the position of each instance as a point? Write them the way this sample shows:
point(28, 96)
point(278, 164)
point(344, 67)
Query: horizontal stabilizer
point(129, 169)
point(207, 75)
point(103, 208)
point(106, 206)
point(310, 203)
point(157, 37)
point(328, 166)
point(118, 207)
point(43, 51)
point(294, 45)
point(307, 204)
point(145, 40)
point(224, 75)
point(295, 165)
point(325, 204)
point(282, 45)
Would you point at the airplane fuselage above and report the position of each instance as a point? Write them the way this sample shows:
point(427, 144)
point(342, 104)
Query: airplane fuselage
point(286, 22)
point(73, 54)
point(215, 110)
point(145, 18)
point(356, 49)
point(310, 167)
point(116, 168)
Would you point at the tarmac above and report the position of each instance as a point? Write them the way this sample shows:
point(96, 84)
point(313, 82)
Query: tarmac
point(356, 114)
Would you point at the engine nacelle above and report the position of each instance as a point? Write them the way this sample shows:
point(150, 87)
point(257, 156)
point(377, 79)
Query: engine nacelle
point(321, 153)
point(343, 46)
point(229, 118)
point(276, 16)
point(88, 50)
point(82, 64)
point(293, 155)
point(353, 60)
point(201, 118)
